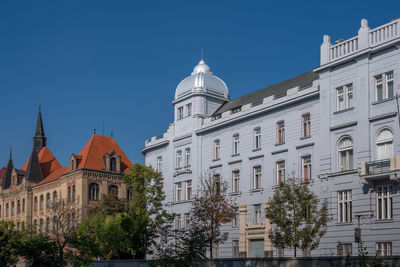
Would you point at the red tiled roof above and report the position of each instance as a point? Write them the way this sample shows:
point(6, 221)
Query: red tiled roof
point(94, 151)
point(2, 172)
point(47, 161)
point(55, 175)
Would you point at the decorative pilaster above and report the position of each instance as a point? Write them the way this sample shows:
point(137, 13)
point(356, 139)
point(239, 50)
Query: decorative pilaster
point(242, 236)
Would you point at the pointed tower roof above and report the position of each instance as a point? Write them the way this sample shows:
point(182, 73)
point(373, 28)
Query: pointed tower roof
point(47, 161)
point(7, 177)
point(34, 170)
point(39, 140)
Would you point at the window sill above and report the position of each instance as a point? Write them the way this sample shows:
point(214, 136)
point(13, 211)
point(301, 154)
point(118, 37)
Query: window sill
point(305, 137)
point(343, 223)
point(187, 166)
point(382, 101)
point(256, 149)
point(384, 221)
point(180, 168)
point(216, 159)
point(182, 201)
point(236, 193)
point(343, 110)
point(235, 155)
point(278, 144)
point(256, 190)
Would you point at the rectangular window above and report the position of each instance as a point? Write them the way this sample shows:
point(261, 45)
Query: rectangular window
point(235, 249)
point(384, 248)
point(179, 159)
point(306, 125)
point(180, 113)
point(257, 138)
point(235, 146)
point(187, 221)
point(384, 203)
point(344, 96)
point(379, 88)
point(257, 214)
point(189, 109)
point(35, 204)
point(306, 168)
point(217, 149)
point(189, 190)
point(159, 164)
point(345, 249)
point(235, 181)
point(257, 177)
point(280, 126)
point(344, 206)
point(69, 197)
point(187, 157)
point(217, 182)
point(235, 221)
point(280, 172)
point(389, 84)
point(178, 223)
point(178, 187)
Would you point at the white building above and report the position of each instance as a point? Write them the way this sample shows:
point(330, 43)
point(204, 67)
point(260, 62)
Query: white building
point(337, 126)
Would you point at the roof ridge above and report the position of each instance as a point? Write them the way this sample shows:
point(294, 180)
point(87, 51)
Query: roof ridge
point(90, 147)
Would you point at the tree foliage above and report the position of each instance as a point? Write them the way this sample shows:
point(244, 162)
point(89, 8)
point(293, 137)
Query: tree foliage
point(299, 221)
point(211, 208)
point(10, 243)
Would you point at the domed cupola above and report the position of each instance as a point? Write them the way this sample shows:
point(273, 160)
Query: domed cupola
point(202, 81)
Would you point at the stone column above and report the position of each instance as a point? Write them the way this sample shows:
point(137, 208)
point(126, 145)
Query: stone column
point(242, 236)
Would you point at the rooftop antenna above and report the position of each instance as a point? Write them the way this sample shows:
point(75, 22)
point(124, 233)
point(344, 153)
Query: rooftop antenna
point(111, 133)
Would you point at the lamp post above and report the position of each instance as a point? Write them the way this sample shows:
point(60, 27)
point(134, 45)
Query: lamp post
point(357, 231)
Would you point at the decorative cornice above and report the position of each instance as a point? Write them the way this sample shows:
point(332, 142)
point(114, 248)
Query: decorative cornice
point(178, 138)
point(256, 156)
point(305, 145)
point(345, 125)
point(279, 151)
point(186, 171)
point(383, 116)
point(163, 143)
point(215, 166)
point(234, 161)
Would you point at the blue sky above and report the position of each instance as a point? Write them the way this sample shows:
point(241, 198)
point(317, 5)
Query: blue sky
point(119, 62)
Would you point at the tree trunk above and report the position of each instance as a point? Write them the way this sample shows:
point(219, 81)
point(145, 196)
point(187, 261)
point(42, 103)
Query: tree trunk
point(295, 252)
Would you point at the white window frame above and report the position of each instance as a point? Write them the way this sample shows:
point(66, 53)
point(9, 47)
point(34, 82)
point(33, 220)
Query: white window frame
point(384, 248)
point(257, 214)
point(235, 220)
point(217, 149)
point(384, 202)
point(346, 154)
point(179, 113)
point(159, 164)
point(178, 190)
point(384, 80)
point(257, 174)
point(257, 138)
point(384, 141)
point(344, 97)
point(179, 159)
point(306, 167)
point(236, 181)
point(280, 132)
point(389, 79)
point(306, 125)
point(235, 144)
point(178, 222)
point(280, 171)
point(189, 109)
point(345, 206)
point(189, 193)
point(345, 249)
point(187, 221)
point(187, 157)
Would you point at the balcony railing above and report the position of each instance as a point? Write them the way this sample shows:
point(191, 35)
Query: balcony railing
point(377, 167)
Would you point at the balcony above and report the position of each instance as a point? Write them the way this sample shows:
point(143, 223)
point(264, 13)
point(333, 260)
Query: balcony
point(378, 169)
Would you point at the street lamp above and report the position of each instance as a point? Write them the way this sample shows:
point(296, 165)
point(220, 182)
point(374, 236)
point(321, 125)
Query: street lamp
point(357, 231)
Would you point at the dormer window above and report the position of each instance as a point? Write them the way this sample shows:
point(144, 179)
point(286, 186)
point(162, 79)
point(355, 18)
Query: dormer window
point(112, 162)
point(74, 162)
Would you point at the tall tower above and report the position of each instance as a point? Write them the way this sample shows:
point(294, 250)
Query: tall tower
point(39, 140)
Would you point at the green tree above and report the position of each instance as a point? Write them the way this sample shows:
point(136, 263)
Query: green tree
point(145, 211)
point(10, 243)
point(298, 219)
point(210, 209)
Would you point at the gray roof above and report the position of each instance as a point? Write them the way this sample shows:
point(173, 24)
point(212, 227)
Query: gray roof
point(279, 89)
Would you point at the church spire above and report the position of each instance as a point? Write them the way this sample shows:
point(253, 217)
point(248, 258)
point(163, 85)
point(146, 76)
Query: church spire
point(39, 140)
point(7, 177)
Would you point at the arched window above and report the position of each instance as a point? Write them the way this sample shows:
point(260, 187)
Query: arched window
point(41, 227)
point(384, 144)
point(48, 201)
point(12, 208)
point(94, 191)
point(346, 154)
point(129, 194)
point(47, 225)
point(55, 199)
point(113, 189)
point(18, 206)
point(35, 204)
point(113, 164)
point(23, 205)
point(41, 202)
point(73, 193)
